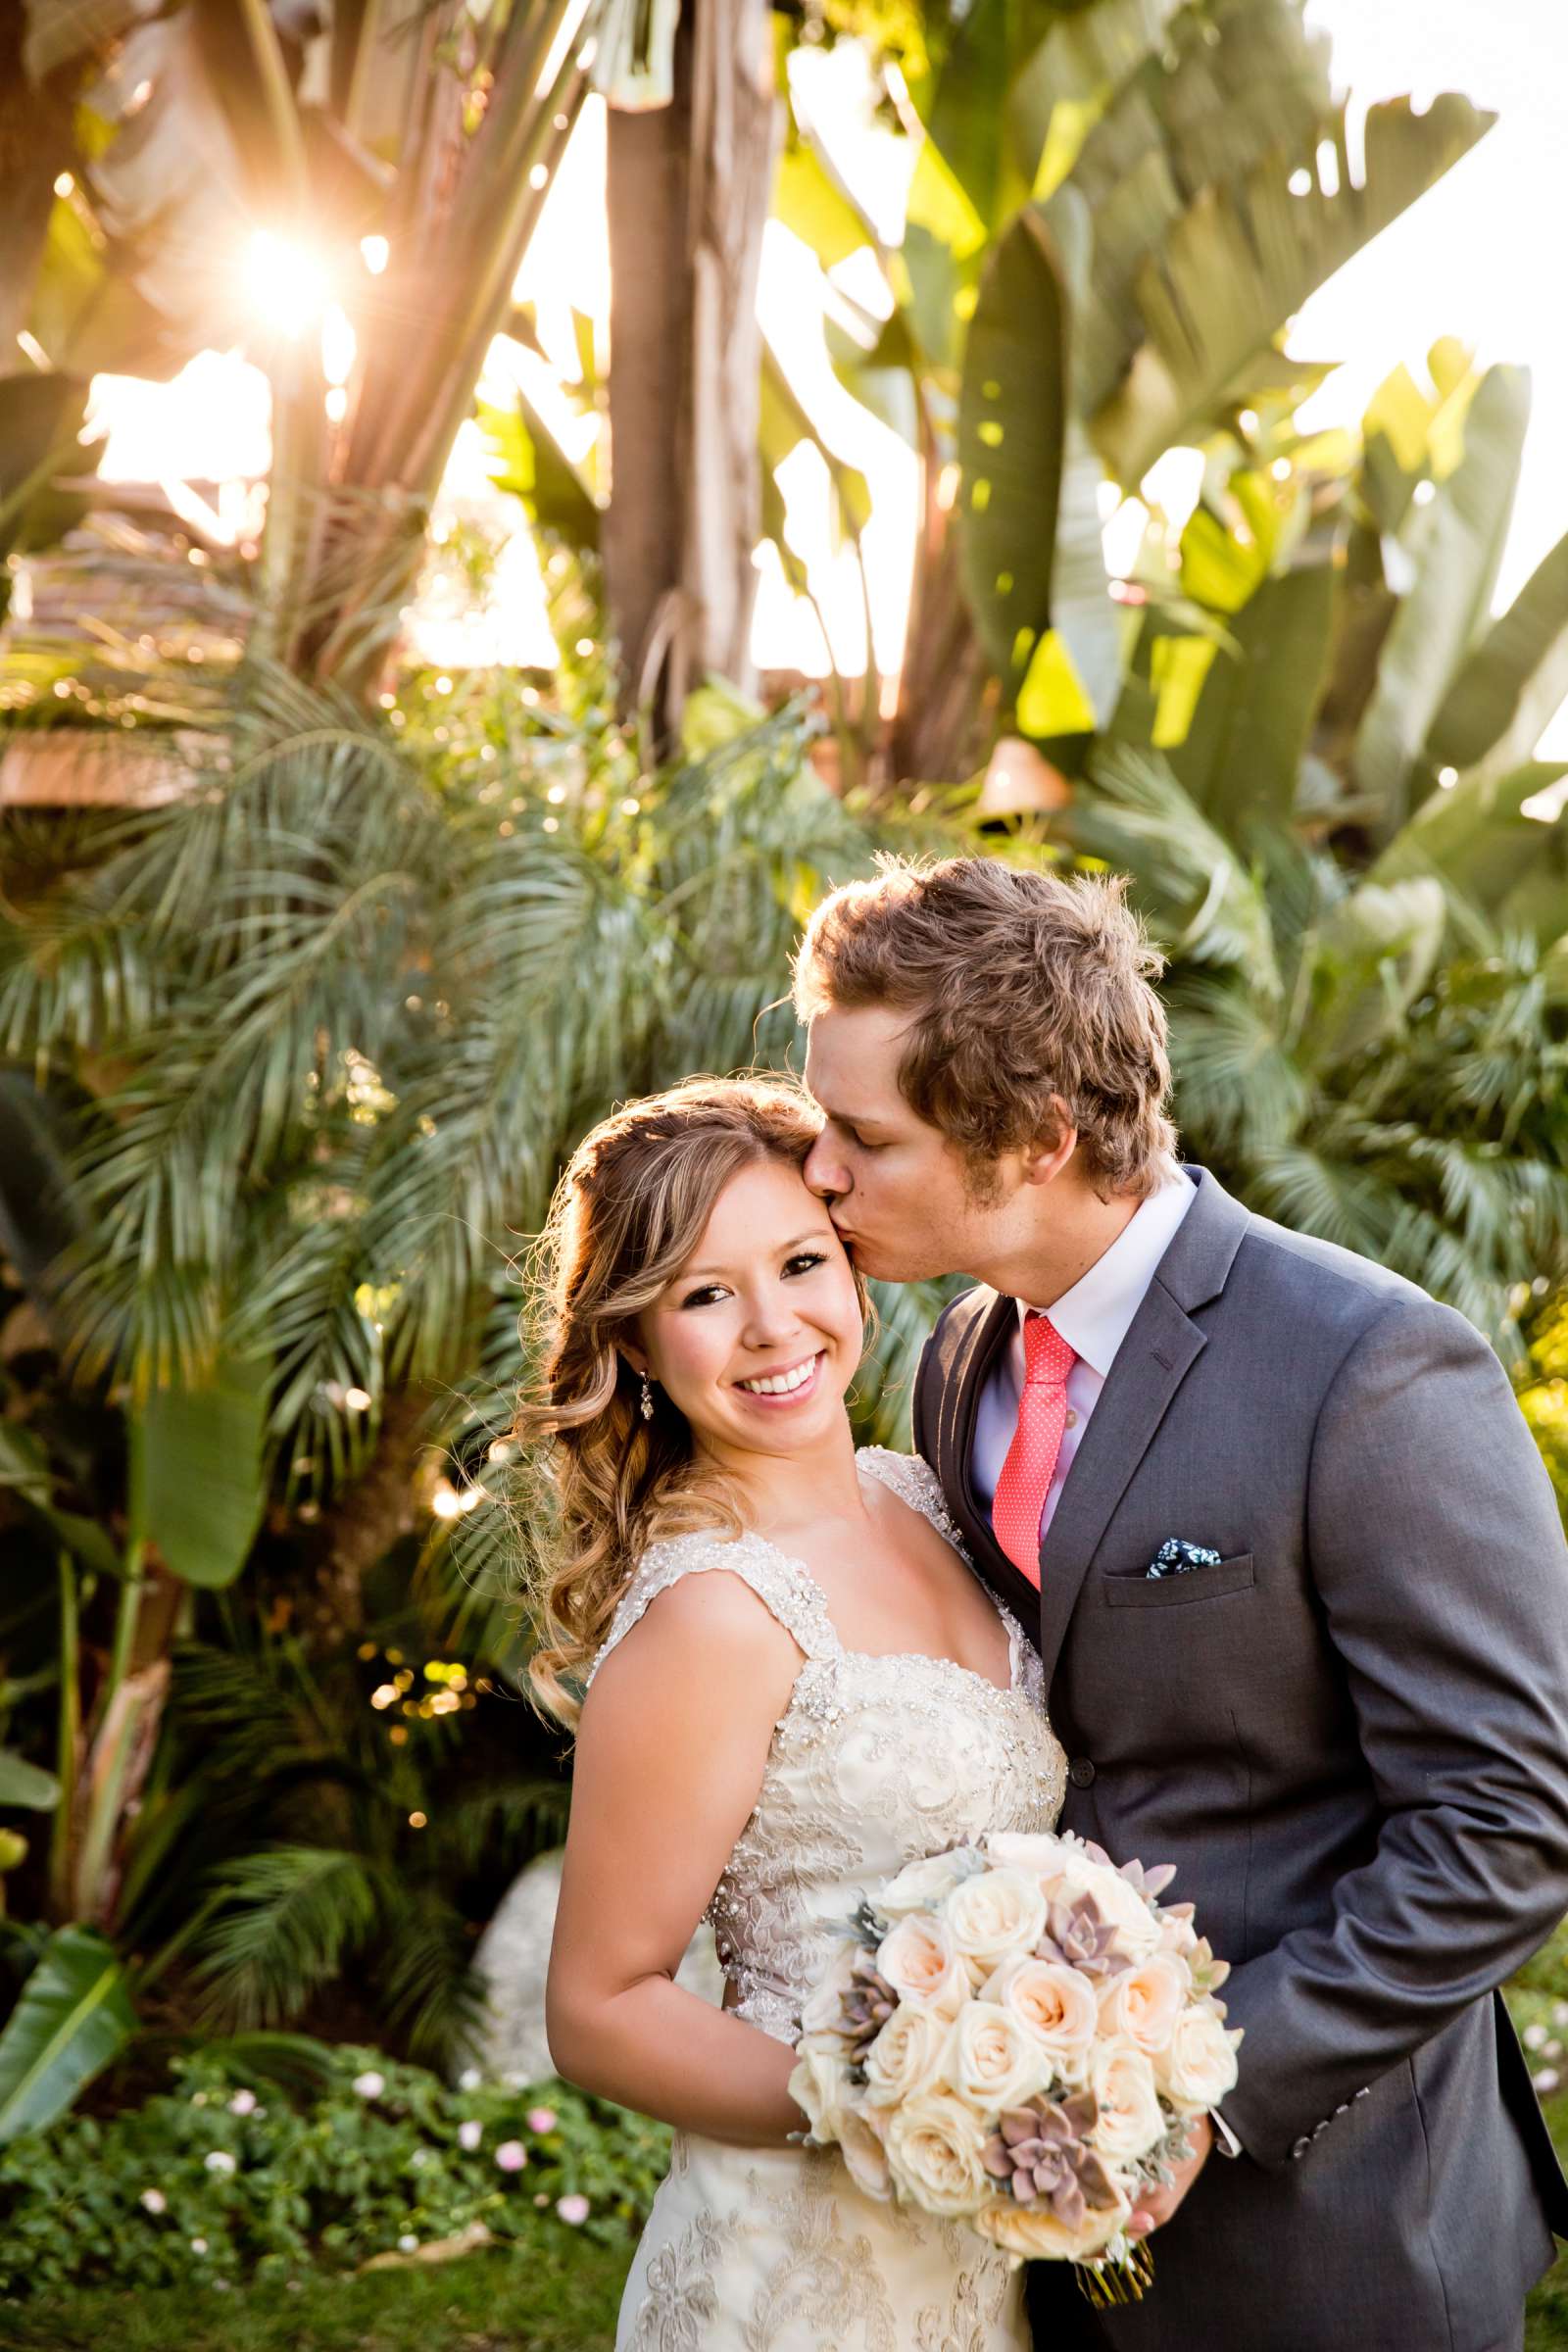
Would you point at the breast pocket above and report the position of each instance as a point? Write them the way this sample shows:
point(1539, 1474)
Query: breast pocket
point(1213, 1583)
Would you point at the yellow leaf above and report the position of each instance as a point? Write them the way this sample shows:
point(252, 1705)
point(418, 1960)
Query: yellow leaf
point(938, 202)
point(1051, 700)
point(1400, 411)
point(1071, 122)
point(1177, 669)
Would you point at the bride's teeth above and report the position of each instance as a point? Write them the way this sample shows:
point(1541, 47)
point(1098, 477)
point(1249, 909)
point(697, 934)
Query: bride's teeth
point(779, 1384)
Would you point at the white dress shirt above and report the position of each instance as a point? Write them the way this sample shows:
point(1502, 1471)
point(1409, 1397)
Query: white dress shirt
point(1094, 1317)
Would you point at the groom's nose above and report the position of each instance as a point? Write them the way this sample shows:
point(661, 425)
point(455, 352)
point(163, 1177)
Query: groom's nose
point(824, 1171)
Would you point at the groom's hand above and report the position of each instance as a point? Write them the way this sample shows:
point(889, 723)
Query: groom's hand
point(1155, 2208)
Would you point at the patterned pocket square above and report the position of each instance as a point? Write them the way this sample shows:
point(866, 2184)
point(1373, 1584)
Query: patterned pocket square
point(1176, 1556)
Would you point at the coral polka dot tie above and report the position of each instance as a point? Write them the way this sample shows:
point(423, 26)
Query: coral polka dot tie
point(1027, 1472)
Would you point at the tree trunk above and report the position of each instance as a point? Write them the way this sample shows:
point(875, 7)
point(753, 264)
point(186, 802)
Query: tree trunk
point(688, 196)
point(941, 733)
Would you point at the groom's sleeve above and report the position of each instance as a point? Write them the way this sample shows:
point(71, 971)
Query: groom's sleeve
point(1437, 1550)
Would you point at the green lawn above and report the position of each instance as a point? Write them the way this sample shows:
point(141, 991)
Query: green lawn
point(560, 2294)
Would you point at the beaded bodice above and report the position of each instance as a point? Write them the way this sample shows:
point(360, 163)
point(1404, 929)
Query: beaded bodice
point(876, 1761)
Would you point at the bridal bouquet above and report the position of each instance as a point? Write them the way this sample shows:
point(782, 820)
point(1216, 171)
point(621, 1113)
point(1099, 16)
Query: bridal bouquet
point(1017, 2037)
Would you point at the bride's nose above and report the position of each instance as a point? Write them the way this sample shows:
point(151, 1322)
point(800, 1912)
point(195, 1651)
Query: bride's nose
point(770, 1320)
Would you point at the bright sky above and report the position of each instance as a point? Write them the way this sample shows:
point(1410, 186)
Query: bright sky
point(1475, 258)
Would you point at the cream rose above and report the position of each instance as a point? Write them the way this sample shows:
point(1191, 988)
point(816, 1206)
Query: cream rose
point(823, 2013)
point(1119, 1905)
point(1122, 2081)
point(918, 1959)
point(921, 1886)
point(1056, 2007)
point(865, 2158)
point(935, 2143)
point(905, 2056)
point(991, 2060)
point(1198, 2066)
point(994, 1916)
point(1145, 2002)
point(1039, 1852)
point(820, 2086)
point(1033, 2234)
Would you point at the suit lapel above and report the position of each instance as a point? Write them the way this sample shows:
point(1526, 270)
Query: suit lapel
point(963, 1380)
point(1160, 1350)
point(1150, 1365)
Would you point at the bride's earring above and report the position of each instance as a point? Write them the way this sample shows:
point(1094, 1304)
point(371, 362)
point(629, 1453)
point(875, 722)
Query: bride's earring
point(648, 1399)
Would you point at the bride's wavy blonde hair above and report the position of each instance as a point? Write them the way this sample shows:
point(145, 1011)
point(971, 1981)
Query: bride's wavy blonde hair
point(628, 1214)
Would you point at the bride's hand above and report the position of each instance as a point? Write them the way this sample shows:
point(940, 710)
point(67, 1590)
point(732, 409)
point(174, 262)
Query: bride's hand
point(1155, 2208)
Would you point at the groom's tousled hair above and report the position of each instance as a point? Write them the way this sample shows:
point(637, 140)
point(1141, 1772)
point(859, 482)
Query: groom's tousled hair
point(1029, 992)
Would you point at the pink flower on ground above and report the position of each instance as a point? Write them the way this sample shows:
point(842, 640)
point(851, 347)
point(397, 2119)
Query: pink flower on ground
point(370, 2085)
point(154, 2201)
point(542, 2119)
point(511, 2156)
point(242, 2103)
point(572, 2209)
point(469, 2135)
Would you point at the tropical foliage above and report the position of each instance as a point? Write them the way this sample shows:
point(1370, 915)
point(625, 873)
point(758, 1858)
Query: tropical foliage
point(291, 1062)
point(1368, 996)
point(1113, 212)
point(323, 1029)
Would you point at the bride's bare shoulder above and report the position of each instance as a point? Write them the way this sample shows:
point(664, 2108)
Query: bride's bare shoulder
point(703, 1628)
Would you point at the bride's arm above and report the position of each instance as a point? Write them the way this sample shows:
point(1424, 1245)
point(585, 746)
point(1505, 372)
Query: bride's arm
point(671, 1753)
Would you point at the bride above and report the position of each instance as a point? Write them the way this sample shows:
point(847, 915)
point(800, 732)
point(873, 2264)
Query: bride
point(790, 1685)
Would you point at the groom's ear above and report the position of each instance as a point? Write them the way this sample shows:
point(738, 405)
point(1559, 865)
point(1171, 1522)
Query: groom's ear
point(1045, 1159)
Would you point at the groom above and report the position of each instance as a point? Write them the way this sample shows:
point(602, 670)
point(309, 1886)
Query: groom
point(1298, 1580)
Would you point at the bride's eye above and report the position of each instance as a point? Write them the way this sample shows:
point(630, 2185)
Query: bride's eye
point(704, 1295)
point(804, 1260)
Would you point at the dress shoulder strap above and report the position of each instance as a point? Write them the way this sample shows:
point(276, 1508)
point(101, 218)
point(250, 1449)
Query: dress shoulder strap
point(913, 1481)
point(782, 1584)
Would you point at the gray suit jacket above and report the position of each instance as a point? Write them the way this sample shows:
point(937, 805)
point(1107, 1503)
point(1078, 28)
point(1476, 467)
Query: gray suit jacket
point(1350, 1736)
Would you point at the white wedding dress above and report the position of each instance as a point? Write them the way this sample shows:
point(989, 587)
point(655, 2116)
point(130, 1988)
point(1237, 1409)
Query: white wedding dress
point(876, 1761)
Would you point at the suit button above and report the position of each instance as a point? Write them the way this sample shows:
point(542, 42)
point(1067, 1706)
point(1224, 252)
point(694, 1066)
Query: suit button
point(1081, 1772)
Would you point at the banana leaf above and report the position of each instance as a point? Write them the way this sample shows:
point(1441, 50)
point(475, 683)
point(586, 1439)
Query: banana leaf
point(196, 1479)
point(1514, 681)
point(1242, 756)
point(1033, 563)
point(74, 2017)
point(1474, 839)
point(1240, 261)
point(1456, 544)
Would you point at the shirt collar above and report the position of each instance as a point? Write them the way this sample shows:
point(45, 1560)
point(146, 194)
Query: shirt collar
point(1095, 1315)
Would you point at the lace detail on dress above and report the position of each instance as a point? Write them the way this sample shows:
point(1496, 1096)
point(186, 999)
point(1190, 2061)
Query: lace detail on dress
point(795, 1598)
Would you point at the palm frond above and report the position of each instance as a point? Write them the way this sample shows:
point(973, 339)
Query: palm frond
point(290, 1916)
